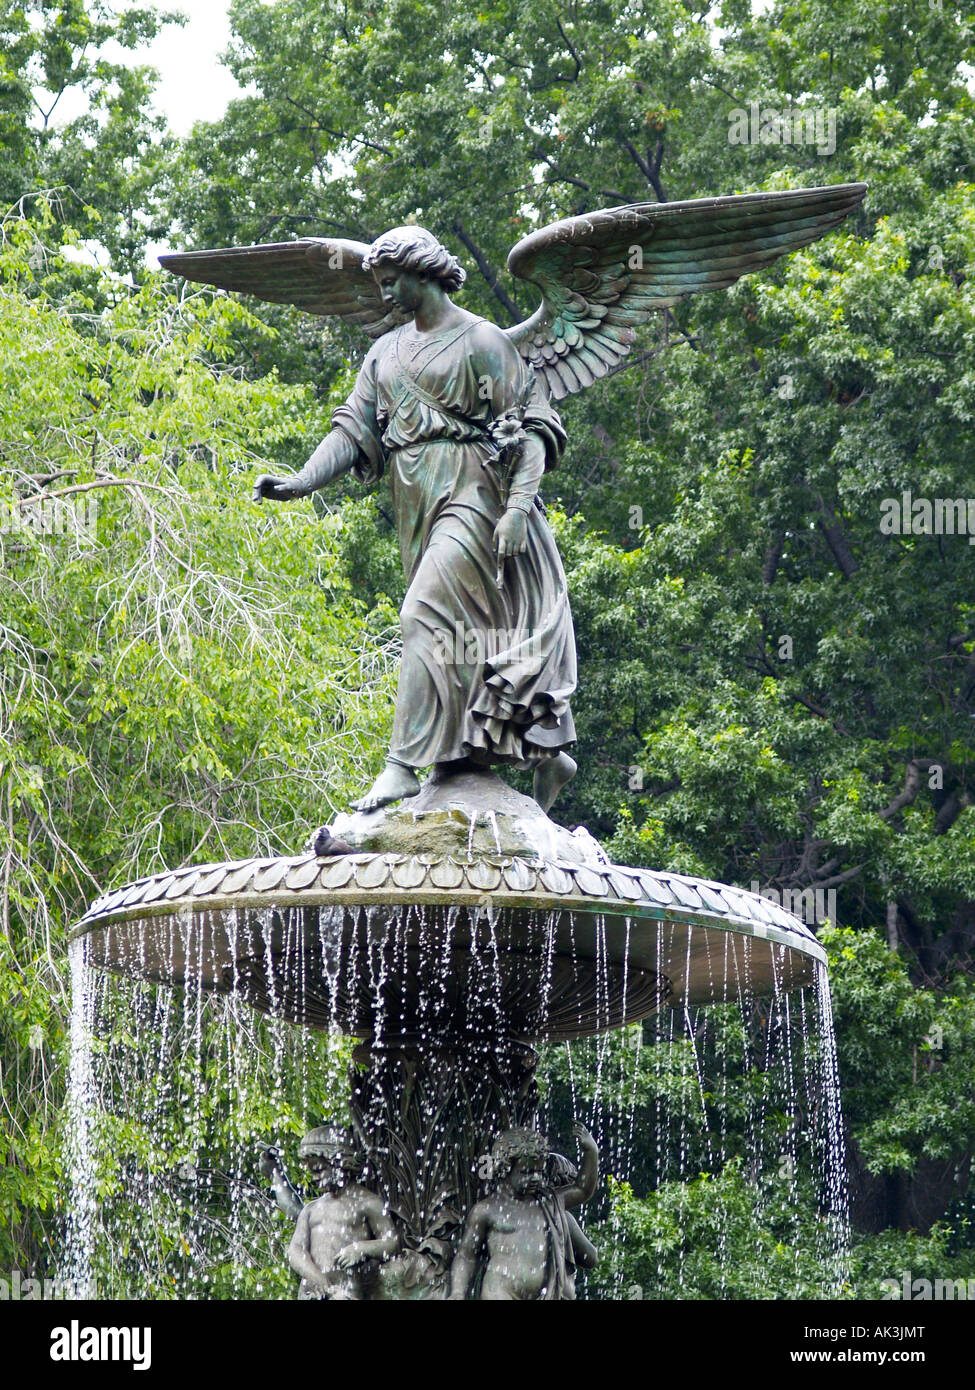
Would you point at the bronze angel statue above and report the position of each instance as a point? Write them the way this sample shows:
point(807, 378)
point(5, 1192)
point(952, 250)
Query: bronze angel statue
point(461, 416)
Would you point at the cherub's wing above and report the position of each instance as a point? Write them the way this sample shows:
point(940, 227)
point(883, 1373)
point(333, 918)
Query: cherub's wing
point(603, 273)
point(318, 274)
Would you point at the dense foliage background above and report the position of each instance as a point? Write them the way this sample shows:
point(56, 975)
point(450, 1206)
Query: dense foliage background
point(775, 690)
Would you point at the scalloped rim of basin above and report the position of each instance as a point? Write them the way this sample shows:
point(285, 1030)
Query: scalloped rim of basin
point(591, 899)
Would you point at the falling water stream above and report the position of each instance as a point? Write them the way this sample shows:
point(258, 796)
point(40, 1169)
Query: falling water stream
point(175, 1091)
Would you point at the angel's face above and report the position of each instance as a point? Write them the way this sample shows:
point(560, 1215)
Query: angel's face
point(400, 289)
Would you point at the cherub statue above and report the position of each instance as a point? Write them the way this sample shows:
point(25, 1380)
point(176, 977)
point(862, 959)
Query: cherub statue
point(522, 1235)
point(461, 415)
point(563, 1175)
point(340, 1231)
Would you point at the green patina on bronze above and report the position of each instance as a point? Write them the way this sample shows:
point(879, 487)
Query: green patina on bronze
point(459, 413)
point(391, 928)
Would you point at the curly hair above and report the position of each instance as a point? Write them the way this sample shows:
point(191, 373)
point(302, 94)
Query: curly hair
point(518, 1143)
point(335, 1145)
point(419, 252)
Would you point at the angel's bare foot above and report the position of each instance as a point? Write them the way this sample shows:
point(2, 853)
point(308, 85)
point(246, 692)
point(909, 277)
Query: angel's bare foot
point(550, 777)
point(395, 781)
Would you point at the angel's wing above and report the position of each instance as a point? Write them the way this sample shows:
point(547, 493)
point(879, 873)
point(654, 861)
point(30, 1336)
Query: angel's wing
point(605, 272)
point(318, 274)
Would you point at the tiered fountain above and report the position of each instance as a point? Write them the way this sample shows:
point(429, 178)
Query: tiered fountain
point(453, 933)
point(456, 932)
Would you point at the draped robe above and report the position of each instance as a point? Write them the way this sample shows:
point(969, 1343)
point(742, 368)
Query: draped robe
point(487, 671)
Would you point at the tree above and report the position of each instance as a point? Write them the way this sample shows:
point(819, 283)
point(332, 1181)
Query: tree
point(105, 162)
point(182, 675)
point(777, 681)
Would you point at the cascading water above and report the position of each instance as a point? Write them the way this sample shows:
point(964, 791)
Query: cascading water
point(491, 988)
point(82, 1210)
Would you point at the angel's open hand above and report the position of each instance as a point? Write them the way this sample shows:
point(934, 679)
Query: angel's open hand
point(511, 534)
point(278, 489)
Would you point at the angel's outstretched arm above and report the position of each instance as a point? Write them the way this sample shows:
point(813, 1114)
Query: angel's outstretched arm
point(354, 442)
point(334, 456)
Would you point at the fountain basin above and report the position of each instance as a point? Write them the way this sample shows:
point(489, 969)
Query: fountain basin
point(404, 942)
point(449, 935)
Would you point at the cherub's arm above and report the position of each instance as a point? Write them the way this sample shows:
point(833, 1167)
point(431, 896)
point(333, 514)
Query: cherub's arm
point(585, 1185)
point(584, 1252)
point(464, 1266)
point(298, 1252)
point(383, 1243)
point(282, 1189)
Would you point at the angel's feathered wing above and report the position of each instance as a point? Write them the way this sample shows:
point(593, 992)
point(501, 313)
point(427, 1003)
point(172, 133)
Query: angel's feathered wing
point(605, 272)
point(318, 274)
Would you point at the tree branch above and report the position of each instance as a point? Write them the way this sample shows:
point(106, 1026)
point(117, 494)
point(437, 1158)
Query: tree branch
point(336, 134)
point(571, 47)
point(614, 193)
point(912, 785)
point(651, 172)
point(772, 557)
point(837, 879)
point(818, 710)
point(558, 177)
point(951, 809)
point(87, 487)
point(487, 270)
point(695, 343)
point(829, 524)
point(648, 356)
point(655, 163)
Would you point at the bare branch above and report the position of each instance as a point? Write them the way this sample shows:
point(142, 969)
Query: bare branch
point(821, 713)
point(650, 171)
point(829, 524)
point(572, 50)
point(46, 496)
point(488, 271)
point(837, 879)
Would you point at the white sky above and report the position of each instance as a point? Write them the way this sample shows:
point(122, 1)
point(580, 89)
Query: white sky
point(193, 86)
point(193, 83)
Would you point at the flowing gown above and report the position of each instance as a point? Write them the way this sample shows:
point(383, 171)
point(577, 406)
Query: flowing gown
point(487, 671)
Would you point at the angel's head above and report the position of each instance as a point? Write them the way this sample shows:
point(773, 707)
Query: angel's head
point(417, 252)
